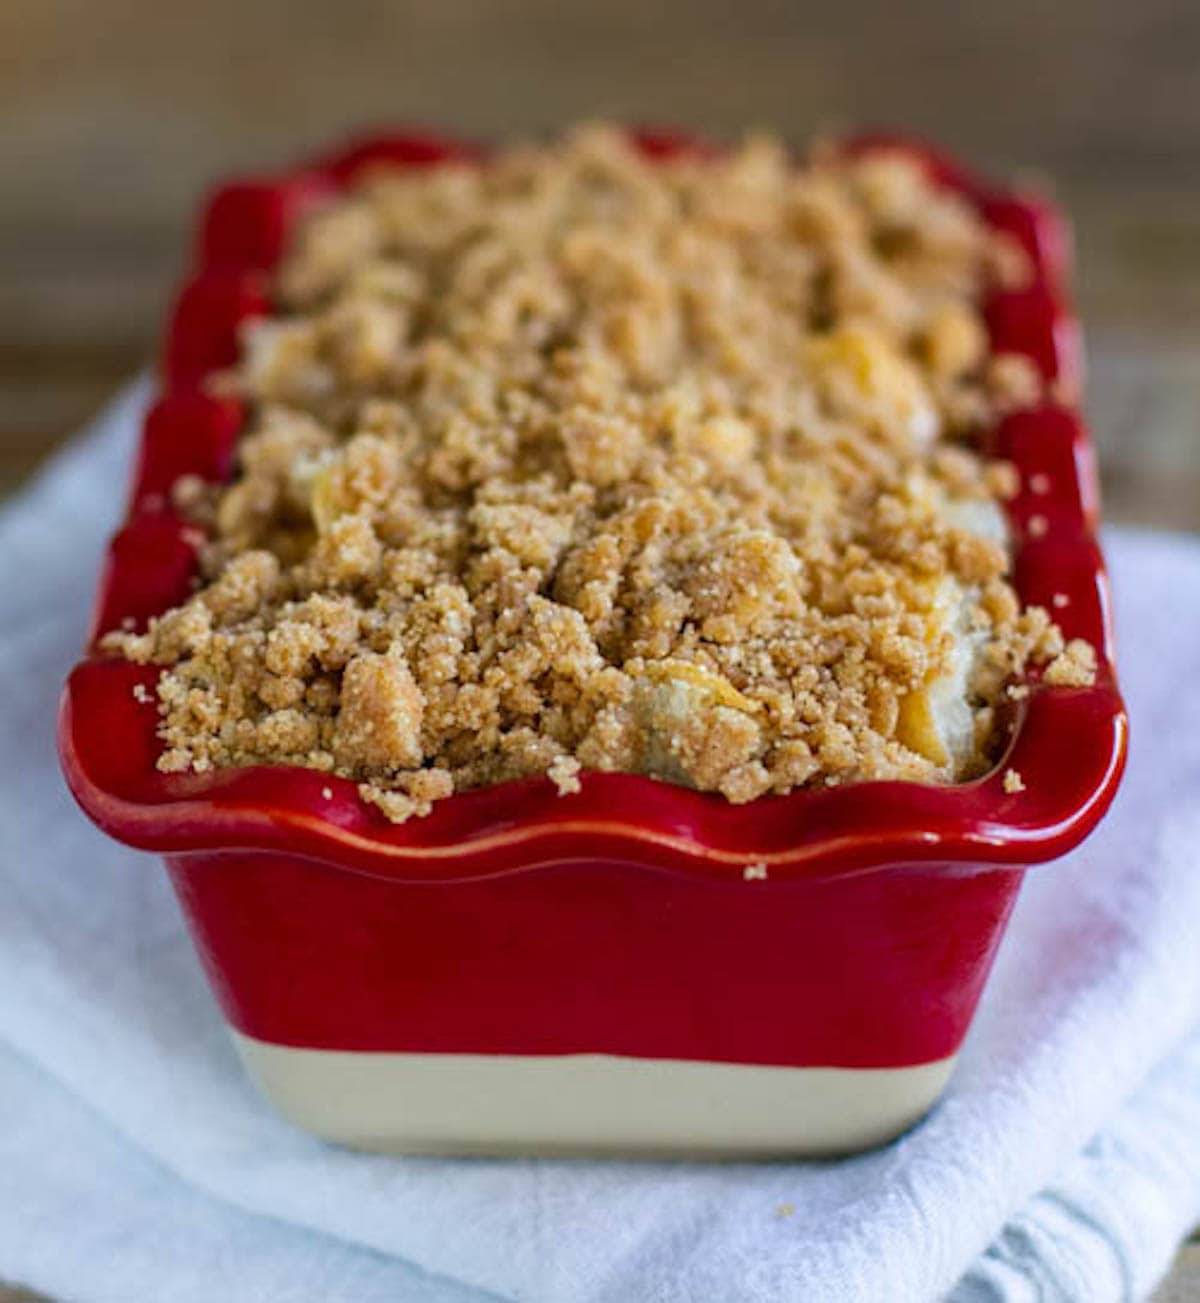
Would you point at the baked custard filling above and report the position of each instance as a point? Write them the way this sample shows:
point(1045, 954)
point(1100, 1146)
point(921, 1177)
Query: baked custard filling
point(576, 460)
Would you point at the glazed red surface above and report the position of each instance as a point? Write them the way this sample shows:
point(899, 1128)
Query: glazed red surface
point(617, 919)
point(598, 956)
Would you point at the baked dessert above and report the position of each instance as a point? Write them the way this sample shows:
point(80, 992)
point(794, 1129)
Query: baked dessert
point(577, 459)
point(644, 967)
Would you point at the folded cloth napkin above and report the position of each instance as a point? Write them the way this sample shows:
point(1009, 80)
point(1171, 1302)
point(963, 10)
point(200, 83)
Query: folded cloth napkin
point(136, 1162)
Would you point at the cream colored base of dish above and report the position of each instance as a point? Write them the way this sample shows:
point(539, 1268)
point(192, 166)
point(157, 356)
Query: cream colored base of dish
point(587, 1103)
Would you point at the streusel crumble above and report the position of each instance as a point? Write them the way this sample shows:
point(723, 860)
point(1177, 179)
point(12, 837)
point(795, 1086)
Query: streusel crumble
point(576, 460)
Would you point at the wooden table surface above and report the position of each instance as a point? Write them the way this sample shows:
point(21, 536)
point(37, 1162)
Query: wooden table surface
point(115, 116)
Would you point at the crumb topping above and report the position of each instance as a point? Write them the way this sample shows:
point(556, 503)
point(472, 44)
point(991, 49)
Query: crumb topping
point(1073, 667)
point(576, 460)
point(1013, 782)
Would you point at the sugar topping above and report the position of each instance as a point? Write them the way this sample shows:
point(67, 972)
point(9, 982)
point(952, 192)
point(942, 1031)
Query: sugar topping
point(573, 460)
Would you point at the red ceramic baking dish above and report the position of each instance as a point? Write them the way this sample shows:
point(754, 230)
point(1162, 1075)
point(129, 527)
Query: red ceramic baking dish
point(638, 967)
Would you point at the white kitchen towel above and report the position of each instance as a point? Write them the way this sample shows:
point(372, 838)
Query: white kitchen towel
point(137, 1163)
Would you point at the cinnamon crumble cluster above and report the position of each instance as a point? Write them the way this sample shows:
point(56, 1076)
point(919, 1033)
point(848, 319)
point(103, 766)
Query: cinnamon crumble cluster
point(574, 460)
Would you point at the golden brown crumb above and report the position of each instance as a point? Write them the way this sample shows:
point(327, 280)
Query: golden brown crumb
point(1002, 480)
point(1059, 600)
point(785, 1210)
point(577, 460)
point(1074, 667)
point(379, 720)
point(327, 793)
point(1014, 382)
point(1009, 262)
point(754, 873)
point(564, 774)
point(1039, 482)
point(1038, 526)
point(413, 795)
point(1013, 782)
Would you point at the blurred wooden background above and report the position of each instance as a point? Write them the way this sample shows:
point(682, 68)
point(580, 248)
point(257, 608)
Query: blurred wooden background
point(115, 114)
